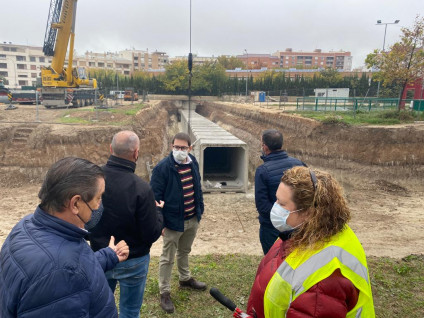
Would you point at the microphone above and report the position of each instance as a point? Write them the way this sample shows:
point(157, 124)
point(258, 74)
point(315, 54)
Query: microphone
point(215, 293)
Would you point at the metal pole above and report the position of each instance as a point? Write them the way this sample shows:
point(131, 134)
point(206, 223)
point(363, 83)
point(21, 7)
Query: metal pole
point(384, 43)
point(37, 119)
point(190, 67)
point(247, 70)
point(384, 39)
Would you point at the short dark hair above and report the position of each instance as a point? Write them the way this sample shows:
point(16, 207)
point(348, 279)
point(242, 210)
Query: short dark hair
point(273, 139)
point(182, 136)
point(68, 177)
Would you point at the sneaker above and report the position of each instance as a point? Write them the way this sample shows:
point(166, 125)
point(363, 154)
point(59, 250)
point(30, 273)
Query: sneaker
point(166, 302)
point(192, 283)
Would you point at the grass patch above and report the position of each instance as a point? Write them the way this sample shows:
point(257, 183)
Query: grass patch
point(384, 117)
point(398, 286)
point(127, 111)
point(74, 120)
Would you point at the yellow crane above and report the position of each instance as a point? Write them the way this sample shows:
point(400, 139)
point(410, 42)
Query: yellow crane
point(64, 86)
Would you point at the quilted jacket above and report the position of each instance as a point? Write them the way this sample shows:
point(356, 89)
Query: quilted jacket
point(47, 269)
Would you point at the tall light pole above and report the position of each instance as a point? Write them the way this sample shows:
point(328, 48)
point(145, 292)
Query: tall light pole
point(247, 70)
point(384, 43)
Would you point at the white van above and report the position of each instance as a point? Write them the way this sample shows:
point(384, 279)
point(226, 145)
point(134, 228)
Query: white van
point(117, 94)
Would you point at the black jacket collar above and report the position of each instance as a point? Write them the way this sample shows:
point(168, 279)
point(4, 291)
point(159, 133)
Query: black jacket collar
point(276, 155)
point(114, 161)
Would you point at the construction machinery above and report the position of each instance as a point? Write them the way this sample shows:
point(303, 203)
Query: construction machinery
point(4, 92)
point(20, 96)
point(130, 95)
point(64, 86)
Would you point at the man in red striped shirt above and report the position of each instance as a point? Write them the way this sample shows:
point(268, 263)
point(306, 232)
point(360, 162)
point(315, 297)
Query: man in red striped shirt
point(176, 181)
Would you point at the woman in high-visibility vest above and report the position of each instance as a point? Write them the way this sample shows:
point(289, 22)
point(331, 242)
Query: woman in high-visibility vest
point(317, 267)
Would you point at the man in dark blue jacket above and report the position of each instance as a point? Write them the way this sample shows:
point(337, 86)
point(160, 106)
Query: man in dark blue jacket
point(176, 180)
point(267, 179)
point(47, 268)
point(129, 214)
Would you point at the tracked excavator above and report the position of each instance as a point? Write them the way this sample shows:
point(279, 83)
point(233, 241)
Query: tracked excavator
point(64, 87)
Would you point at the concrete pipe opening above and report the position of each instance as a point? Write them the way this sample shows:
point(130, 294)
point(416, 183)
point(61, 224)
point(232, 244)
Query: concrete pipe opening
point(224, 169)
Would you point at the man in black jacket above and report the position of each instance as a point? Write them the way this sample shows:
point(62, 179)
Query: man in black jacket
point(129, 214)
point(267, 179)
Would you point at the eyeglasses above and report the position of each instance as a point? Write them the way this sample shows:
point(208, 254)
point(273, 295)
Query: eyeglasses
point(183, 148)
point(314, 179)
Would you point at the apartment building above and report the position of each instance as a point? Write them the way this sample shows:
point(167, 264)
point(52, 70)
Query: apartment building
point(259, 61)
point(291, 73)
point(125, 62)
point(144, 61)
point(108, 61)
point(21, 64)
point(340, 60)
point(197, 60)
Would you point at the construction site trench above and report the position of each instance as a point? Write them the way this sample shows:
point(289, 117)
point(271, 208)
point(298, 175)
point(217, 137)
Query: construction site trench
point(380, 168)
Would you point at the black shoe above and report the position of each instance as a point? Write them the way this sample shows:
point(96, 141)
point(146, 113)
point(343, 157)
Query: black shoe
point(166, 302)
point(192, 283)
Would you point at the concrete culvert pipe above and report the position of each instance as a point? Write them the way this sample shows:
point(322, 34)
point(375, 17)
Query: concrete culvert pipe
point(223, 158)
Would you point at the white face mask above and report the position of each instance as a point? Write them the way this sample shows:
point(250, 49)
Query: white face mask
point(279, 217)
point(180, 155)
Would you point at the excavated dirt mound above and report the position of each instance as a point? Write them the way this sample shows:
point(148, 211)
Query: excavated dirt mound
point(380, 168)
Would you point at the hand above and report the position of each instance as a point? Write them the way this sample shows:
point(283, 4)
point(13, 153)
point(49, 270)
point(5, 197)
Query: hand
point(121, 249)
point(163, 231)
point(161, 204)
point(238, 313)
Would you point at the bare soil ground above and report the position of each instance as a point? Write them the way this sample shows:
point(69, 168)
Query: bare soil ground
point(387, 216)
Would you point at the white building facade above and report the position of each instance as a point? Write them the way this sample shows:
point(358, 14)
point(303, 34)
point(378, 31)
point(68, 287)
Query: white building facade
point(20, 65)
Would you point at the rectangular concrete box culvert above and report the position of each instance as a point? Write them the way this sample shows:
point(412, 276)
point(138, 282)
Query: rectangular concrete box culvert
point(223, 158)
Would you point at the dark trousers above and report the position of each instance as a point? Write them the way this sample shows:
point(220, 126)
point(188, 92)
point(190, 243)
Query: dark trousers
point(267, 235)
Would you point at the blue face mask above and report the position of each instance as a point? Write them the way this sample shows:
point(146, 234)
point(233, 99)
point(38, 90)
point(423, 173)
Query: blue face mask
point(96, 215)
point(279, 217)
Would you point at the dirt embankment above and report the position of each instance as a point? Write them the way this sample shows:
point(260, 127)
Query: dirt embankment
point(28, 149)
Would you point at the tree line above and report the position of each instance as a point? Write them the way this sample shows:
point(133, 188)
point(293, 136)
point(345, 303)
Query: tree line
point(210, 79)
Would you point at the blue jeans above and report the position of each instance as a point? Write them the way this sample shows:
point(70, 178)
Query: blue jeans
point(131, 275)
point(267, 235)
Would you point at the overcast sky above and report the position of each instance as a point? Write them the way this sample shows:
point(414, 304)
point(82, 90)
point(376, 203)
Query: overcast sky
point(218, 26)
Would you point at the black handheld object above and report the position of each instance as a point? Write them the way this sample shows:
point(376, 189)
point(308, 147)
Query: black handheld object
point(215, 293)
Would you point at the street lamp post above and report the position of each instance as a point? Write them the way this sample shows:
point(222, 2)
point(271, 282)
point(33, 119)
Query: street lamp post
point(247, 70)
point(384, 43)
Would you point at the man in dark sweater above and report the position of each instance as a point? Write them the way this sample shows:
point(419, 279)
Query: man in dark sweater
point(176, 180)
point(267, 180)
point(129, 214)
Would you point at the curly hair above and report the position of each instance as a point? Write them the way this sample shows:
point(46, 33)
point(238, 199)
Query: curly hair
point(322, 203)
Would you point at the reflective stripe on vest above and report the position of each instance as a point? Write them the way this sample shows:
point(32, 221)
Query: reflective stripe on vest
point(303, 269)
point(296, 277)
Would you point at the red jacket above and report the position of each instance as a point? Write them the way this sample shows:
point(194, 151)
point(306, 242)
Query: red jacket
point(332, 297)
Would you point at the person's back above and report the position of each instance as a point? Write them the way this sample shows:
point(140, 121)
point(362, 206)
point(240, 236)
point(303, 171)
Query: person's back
point(129, 210)
point(267, 178)
point(129, 214)
point(271, 171)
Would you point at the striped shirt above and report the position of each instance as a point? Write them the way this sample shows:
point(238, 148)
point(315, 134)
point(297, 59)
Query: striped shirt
point(186, 176)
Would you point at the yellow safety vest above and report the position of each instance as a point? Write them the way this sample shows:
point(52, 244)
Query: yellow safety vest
point(303, 269)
